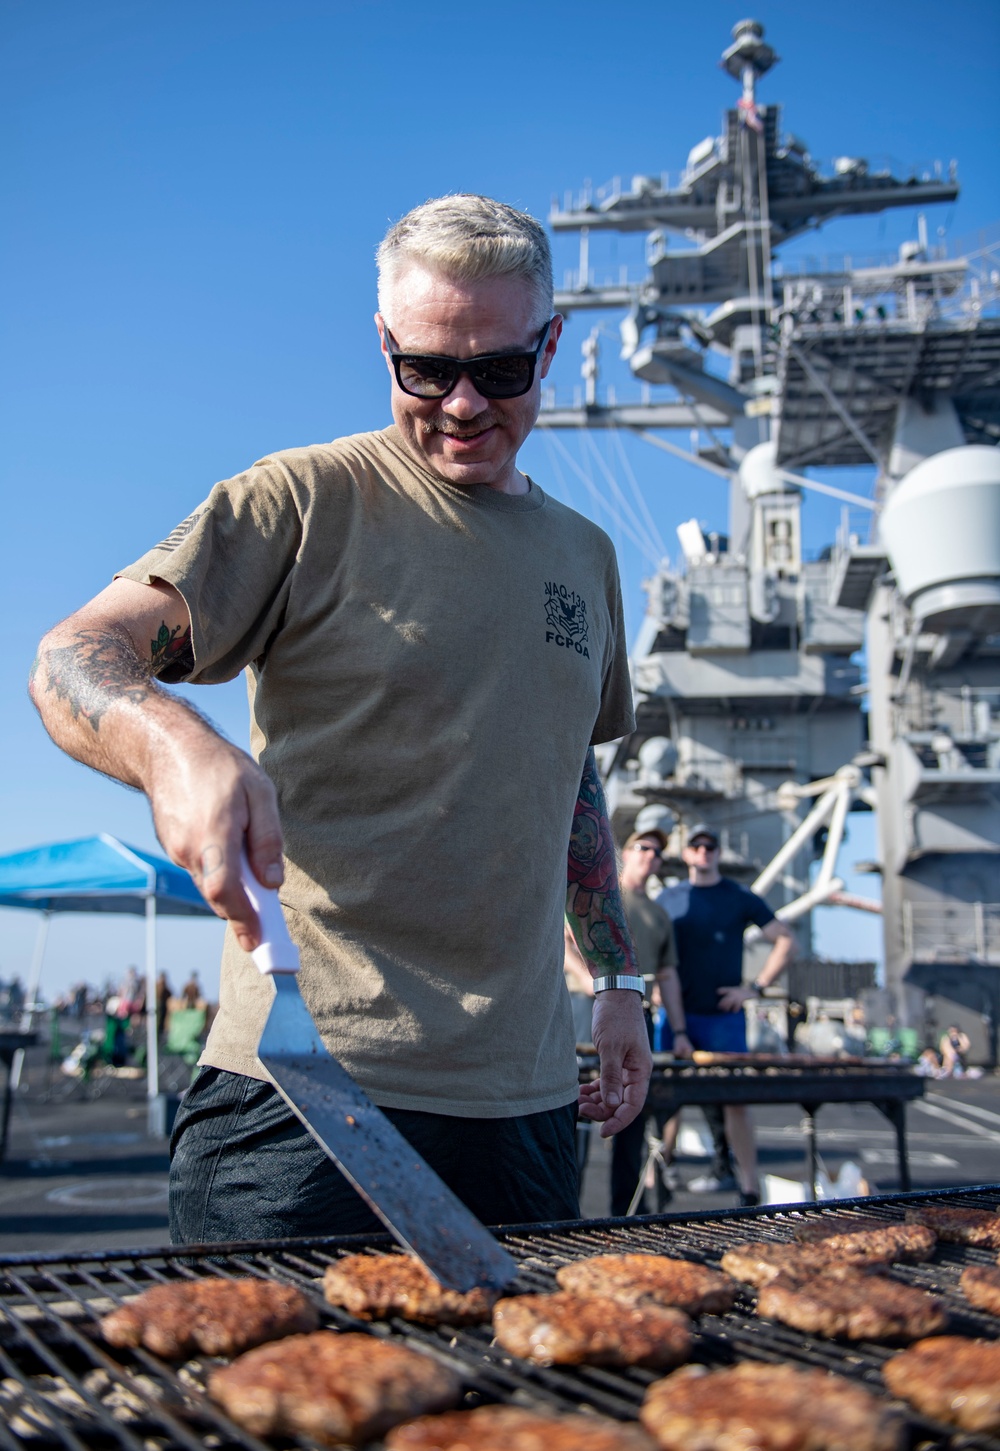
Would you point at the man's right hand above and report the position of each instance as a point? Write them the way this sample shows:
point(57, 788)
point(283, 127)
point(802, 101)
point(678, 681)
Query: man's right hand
point(209, 799)
point(731, 999)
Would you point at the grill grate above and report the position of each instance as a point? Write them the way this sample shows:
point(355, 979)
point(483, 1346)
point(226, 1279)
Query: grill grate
point(63, 1387)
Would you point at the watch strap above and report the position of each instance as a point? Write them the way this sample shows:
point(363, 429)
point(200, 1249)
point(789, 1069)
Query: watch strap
point(617, 980)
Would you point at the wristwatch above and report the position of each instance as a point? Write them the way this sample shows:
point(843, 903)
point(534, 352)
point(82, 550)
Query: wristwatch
point(619, 980)
point(759, 987)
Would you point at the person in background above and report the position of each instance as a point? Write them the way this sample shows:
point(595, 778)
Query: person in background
point(953, 1046)
point(15, 999)
point(131, 995)
point(654, 943)
point(710, 914)
point(164, 993)
point(191, 991)
point(653, 935)
point(928, 1065)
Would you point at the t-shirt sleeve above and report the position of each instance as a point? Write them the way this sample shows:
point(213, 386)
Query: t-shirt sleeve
point(231, 561)
point(616, 716)
point(758, 912)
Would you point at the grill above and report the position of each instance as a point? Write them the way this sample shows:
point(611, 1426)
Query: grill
point(62, 1387)
point(789, 1078)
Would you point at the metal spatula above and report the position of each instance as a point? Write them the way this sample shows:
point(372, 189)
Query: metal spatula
point(405, 1193)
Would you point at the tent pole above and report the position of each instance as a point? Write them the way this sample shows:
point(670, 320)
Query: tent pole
point(152, 1046)
point(31, 997)
point(36, 970)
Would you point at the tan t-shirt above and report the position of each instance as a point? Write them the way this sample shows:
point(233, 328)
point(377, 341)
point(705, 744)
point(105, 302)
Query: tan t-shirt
point(427, 666)
point(652, 933)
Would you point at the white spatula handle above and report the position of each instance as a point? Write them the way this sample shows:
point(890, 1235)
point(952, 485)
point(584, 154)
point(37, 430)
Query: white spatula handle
point(277, 952)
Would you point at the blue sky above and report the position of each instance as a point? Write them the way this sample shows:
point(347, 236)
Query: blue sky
point(194, 194)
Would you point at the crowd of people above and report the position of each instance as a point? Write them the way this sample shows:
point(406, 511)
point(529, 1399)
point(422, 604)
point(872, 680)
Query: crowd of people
point(950, 1058)
point(126, 998)
point(110, 1022)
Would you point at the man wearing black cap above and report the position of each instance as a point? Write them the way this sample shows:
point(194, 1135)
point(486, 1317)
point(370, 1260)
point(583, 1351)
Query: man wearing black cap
point(710, 913)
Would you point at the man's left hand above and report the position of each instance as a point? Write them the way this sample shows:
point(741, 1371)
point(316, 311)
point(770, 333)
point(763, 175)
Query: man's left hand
point(731, 999)
point(619, 1034)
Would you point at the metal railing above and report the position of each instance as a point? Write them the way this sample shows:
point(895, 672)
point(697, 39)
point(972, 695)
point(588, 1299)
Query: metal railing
point(952, 932)
point(970, 712)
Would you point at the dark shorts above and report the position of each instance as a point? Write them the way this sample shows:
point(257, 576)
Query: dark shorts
point(718, 1032)
point(243, 1167)
point(713, 1033)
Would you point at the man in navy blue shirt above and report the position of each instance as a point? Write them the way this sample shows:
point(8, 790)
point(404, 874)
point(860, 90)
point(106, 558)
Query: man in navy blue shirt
point(710, 913)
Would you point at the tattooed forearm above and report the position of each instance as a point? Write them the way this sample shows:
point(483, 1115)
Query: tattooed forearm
point(172, 650)
point(593, 901)
point(97, 671)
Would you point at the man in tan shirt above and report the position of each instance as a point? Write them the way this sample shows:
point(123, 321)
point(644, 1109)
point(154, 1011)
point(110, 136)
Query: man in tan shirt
point(432, 648)
point(653, 935)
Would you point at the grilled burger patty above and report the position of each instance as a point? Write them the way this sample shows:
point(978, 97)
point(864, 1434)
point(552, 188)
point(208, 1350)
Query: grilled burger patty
point(762, 1261)
point(981, 1287)
point(759, 1262)
point(950, 1378)
point(508, 1428)
point(376, 1286)
point(754, 1407)
point(852, 1304)
point(334, 1388)
point(905, 1243)
point(213, 1316)
point(637, 1279)
point(569, 1329)
point(829, 1224)
point(958, 1226)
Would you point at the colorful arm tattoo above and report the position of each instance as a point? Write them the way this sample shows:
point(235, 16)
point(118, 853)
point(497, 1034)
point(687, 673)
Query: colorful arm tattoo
point(172, 649)
point(102, 668)
point(593, 901)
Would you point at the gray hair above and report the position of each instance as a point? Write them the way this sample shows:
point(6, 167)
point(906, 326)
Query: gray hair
point(467, 238)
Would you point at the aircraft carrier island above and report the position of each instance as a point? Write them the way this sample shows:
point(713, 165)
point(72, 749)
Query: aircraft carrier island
point(776, 693)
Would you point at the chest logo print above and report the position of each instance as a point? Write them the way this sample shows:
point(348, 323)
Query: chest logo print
point(566, 616)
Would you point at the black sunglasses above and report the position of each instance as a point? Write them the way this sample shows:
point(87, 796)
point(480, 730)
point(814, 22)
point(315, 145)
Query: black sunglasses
point(494, 375)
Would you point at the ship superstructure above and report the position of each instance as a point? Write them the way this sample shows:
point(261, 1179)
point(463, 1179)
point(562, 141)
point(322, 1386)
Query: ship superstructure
point(748, 683)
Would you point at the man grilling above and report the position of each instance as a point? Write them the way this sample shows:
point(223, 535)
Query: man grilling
point(433, 646)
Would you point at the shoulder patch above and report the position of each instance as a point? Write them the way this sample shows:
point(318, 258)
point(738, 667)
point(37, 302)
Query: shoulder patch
point(177, 536)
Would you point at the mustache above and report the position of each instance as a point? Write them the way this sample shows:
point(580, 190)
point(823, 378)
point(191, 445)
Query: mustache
point(446, 425)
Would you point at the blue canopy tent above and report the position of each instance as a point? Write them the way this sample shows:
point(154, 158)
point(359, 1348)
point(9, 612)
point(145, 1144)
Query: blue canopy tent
point(101, 874)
